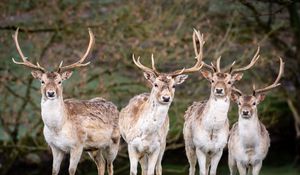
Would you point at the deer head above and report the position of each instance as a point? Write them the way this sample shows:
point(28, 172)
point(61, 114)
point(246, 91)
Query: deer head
point(163, 84)
point(223, 81)
point(248, 103)
point(51, 82)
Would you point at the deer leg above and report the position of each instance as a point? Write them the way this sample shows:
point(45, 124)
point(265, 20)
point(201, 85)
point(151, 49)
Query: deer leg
point(192, 158)
point(133, 157)
point(158, 168)
point(75, 155)
point(110, 157)
point(231, 164)
point(242, 169)
point(99, 161)
point(152, 160)
point(256, 168)
point(144, 164)
point(202, 161)
point(215, 159)
point(58, 156)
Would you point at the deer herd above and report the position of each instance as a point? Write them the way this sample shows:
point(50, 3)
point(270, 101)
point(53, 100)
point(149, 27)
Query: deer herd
point(95, 126)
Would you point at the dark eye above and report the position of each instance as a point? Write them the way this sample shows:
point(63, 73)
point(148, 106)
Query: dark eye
point(155, 85)
point(59, 82)
point(42, 82)
point(173, 86)
point(253, 103)
point(229, 82)
point(212, 81)
point(239, 103)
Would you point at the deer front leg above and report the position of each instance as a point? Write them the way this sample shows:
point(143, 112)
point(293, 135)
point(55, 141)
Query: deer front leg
point(231, 164)
point(214, 162)
point(134, 158)
point(202, 162)
point(158, 168)
point(192, 158)
point(144, 164)
point(99, 160)
point(242, 169)
point(58, 156)
point(75, 155)
point(152, 160)
point(256, 168)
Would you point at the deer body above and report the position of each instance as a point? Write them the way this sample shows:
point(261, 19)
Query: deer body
point(91, 126)
point(206, 126)
point(211, 128)
point(144, 122)
point(249, 139)
point(144, 125)
point(206, 131)
point(248, 145)
point(73, 126)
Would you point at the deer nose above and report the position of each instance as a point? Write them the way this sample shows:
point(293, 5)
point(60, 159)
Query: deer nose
point(219, 90)
point(51, 93)
point(166, 98)
point(245, 112)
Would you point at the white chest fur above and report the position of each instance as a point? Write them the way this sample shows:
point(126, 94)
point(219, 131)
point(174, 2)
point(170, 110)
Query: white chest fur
point(153, 119)
point(148, 127)
point(52, 113)
point(57, 132)
point(216, 115)
point(212, 133)
point(248, 132)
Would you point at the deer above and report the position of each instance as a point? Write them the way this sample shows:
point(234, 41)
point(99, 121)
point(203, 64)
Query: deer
point(73, 126)
point(144, 122)
point(206, 126)
point(249, 139)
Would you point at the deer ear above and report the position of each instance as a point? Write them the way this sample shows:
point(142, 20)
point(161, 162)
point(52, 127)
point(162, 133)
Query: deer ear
point(66, 75)
point(260, 97)
point(206, 74)
point(237, 76)
point(234, 96)
point(180, 79)
point(150, 77)
point(37, 74)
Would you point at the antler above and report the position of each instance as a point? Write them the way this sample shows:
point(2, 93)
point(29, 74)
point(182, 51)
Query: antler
point(144, 68)
point(199, 55)
point(80, 62)
point(253, 61)
point(198, 65)
point(24, 59)
point(273, 85)
point(236, 90)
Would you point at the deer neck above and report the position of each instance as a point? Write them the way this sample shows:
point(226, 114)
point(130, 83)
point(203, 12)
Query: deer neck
point(215, 113)
point(53, 113)
point(153, 116)
point(249, 130)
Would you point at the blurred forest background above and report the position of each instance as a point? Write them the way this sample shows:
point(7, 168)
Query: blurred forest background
point(51, 31)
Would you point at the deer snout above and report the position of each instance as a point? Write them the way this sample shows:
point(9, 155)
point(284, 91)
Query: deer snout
point(51, 94)
point(245, 112)
point(166, 98)
point(219, 90)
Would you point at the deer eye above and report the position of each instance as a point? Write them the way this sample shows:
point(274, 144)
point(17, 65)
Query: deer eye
point(173, 86)
point(229, 82)
point(59, 82)
point(253, 103)
point(212, 81)
point(239, 103)
point(42, 82)
point(155, 85)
